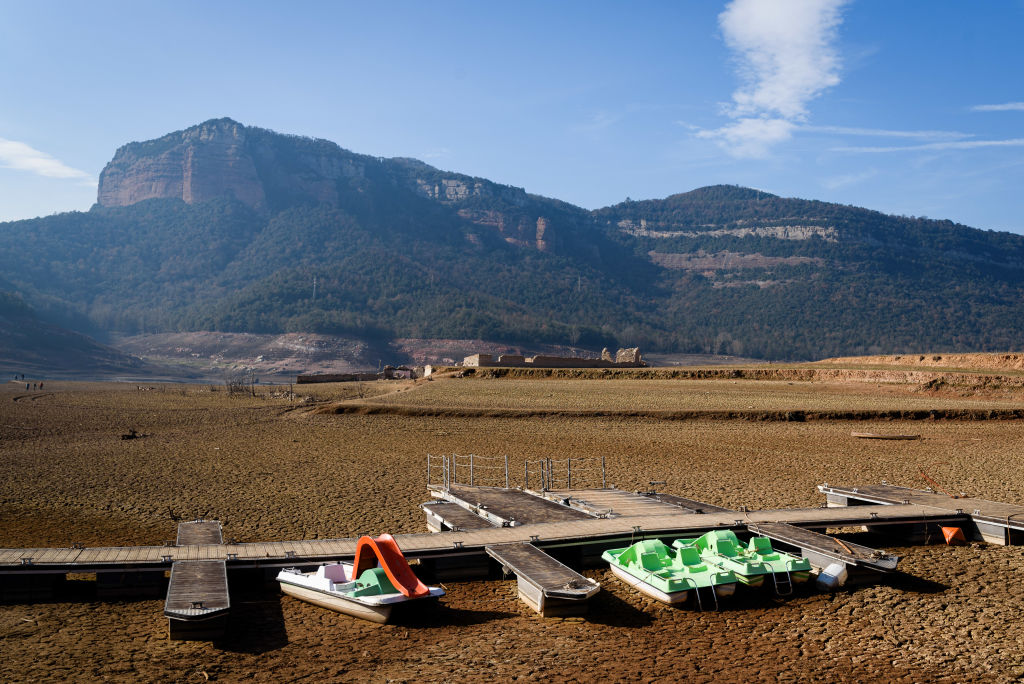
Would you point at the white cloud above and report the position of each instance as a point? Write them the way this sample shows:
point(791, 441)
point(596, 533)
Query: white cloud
point(950, 145)
point(1005, 107)
point(785, 52)
point(751, 138)
point(22, 157)
point(885, 133)
point(785, 57)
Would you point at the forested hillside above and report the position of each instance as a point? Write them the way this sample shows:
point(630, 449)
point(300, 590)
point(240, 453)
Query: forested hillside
point(292, 234)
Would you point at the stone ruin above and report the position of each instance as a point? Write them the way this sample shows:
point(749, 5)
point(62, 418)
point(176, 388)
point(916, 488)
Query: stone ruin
point(624, 358)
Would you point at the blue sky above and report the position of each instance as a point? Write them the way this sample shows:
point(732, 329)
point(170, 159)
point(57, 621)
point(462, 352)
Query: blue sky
point(913, 108)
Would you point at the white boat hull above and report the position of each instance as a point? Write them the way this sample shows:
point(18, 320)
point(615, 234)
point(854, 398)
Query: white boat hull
point(645, 588)
point(379, 614)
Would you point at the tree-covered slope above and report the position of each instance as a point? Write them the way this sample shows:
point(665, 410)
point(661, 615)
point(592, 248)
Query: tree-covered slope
point(233, 228)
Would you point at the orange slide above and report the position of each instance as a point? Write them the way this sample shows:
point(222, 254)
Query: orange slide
point(386, 550)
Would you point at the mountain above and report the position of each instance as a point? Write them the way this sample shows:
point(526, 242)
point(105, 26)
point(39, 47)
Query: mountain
point(234, 228)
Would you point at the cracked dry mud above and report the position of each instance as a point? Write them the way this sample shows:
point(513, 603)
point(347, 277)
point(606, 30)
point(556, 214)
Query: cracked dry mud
point(270, 469)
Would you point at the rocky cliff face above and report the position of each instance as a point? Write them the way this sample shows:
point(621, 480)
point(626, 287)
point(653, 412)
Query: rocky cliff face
point(223, 158)
point(203, 162)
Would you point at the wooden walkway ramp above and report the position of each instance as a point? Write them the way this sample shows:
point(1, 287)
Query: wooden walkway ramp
point(823, 550)
point(991, 521)
point(609, 502)
point(691, 505)
point(507, 507)
point(546, 585)
point(583, 532)
point(198, 601)
point(445, 516)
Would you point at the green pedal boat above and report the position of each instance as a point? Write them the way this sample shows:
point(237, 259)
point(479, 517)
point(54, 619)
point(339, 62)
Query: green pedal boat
point(665, 574)
point(751, 563)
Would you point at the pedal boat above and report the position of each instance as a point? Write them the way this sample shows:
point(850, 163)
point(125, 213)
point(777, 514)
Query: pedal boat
point(750, 564)
point(369, 588)
point(665, 574)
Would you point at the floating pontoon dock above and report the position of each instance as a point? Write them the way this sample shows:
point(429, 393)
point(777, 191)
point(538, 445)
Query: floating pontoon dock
point(198, 602)
point(523, 531)
point(549, 587)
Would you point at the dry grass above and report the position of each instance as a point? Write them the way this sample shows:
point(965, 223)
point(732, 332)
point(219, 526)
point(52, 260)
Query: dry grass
point(271, 469)
point(671, 395)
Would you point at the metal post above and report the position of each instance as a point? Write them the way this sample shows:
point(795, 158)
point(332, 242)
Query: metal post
point(603, 485)
point(455, 469)
point(428, 470)
point(506, 471)
point(526, 474)
point(471, 480)
point(568, 473)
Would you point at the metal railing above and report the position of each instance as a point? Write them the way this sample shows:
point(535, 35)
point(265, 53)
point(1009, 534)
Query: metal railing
point(570, 472)
point(488, 471)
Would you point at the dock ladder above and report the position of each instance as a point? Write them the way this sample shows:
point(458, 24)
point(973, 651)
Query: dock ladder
point(714, 597)
point(783, 587)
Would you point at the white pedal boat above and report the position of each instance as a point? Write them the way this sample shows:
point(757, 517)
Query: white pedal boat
point(369, 588)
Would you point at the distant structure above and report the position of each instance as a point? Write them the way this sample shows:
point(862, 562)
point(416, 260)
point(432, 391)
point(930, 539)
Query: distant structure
point(387, 373)
point(624, 358)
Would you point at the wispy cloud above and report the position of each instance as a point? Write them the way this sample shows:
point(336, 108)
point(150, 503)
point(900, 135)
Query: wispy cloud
point(849, 179)
point(786, 57)
point(751, 138)
point(597, 122)
point(949, 145)
point(1005, 107)
point(886, 133)
point(18, 155)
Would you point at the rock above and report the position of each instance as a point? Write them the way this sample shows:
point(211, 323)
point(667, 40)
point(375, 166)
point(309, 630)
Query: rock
point(223, 158)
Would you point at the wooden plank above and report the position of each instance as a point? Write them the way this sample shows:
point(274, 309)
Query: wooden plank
point(806, 540)
point(455, 516)
point(200, 532)
point(580, 528)
point(197, 590)
point(690, 505)
point(993, 511)
point(512, 504)
point(544, 572)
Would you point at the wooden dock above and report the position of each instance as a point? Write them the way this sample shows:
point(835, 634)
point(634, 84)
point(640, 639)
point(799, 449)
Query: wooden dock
point(200, 532)
point(198, 601)
point(445, 516)
point(823, 550)
point(507, 507)
point(546, 585)
point(608, 502)
point(690, 505)
point(426, 546)
point(517, 529)
point(990, 521)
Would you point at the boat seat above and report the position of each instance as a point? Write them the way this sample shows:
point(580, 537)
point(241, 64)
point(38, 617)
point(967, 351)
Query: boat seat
point(726, 548)
point(761, 545)
point(335, 573)
point(651, 561)
point(689, 555)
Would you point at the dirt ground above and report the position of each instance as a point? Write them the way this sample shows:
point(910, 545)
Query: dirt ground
point(270, 468)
